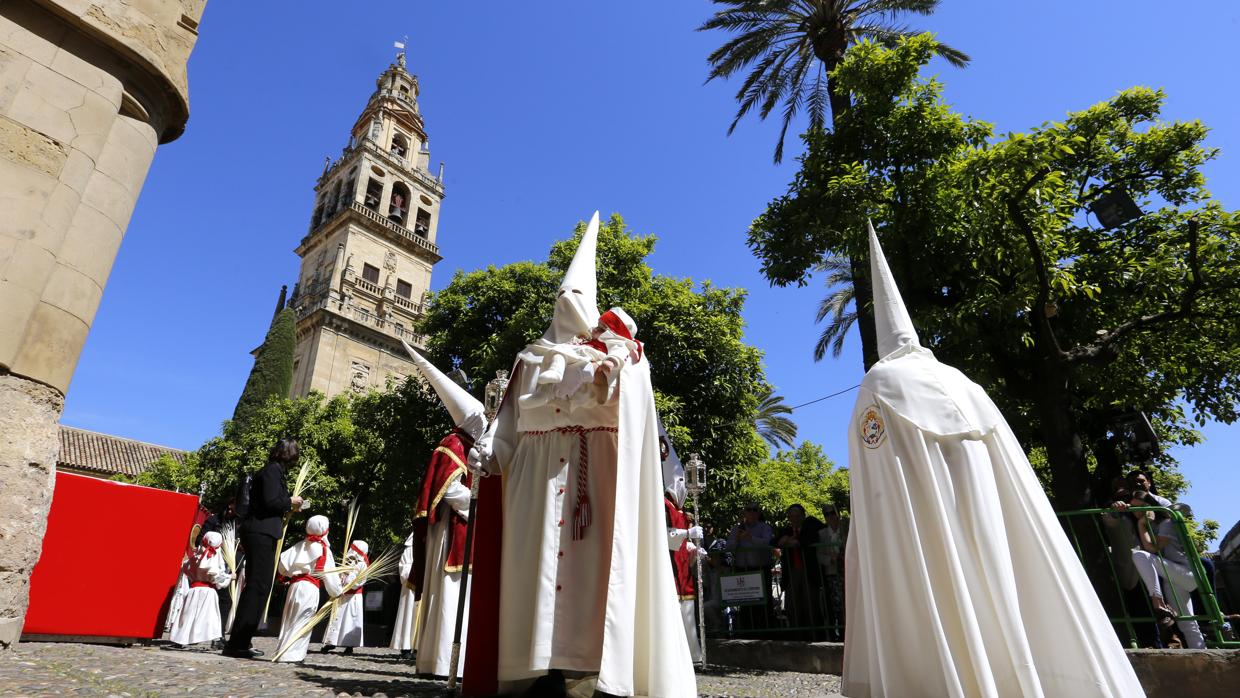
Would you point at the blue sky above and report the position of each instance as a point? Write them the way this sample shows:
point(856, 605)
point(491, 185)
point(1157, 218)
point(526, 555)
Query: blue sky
point(542, 114)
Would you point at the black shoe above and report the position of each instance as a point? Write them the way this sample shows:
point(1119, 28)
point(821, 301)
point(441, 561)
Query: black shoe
point(406, 654)
point(242, 654)
point(550, 685)
point(348, 650)
point(327, 648)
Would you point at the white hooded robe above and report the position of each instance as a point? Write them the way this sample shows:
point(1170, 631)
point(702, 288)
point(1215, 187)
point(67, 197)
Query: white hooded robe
point(403, 628)
point(199, 617)
point(345, 629)
point(605, 603)
point(959, 579)
point(302, 600)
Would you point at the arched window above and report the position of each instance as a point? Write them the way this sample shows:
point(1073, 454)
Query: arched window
point(332, 203)
point(422, 225)
point(400, 145)
point(374, 190)
point(398, 205)
point(349, 193)
point(317, 218)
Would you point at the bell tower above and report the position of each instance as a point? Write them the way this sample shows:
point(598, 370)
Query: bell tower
point(366, 261)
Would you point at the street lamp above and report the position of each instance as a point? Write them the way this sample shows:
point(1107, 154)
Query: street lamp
point(695, 472)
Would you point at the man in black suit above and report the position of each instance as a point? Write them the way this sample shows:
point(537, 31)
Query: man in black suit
point(260, 531)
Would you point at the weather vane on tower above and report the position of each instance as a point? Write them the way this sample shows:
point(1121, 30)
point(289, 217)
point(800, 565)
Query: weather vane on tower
point(400, 56)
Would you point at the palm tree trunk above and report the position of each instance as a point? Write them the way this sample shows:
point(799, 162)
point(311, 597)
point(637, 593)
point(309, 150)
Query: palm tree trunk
point(864, 292)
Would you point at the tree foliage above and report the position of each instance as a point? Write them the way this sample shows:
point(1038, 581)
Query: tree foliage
point(273, 366)
point(707, 380)
point(804, 475)
point(1007, 276)
point(373, 445)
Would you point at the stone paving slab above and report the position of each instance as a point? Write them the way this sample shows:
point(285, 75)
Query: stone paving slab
point(150, 671)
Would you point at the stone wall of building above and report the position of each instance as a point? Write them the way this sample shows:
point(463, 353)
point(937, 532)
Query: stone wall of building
point(87, 91)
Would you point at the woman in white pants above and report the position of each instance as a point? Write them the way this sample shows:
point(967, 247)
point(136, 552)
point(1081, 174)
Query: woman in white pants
point(1162, 562)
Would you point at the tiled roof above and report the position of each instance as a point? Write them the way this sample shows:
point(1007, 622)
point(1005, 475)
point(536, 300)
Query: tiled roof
point(101, 453)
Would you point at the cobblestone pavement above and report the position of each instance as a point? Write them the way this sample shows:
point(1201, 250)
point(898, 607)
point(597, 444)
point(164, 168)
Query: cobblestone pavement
point(43, 669)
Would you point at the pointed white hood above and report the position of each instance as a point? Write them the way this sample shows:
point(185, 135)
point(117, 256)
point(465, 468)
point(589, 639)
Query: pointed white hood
point(673, 470)
point(892, 324)
point(576, 303)
point(467, 412)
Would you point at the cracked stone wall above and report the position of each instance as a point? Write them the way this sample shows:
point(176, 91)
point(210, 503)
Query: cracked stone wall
point(87, 91)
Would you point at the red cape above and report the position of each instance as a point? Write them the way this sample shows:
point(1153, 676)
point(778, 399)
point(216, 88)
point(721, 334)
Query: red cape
point(682, 567)
point(447, 465)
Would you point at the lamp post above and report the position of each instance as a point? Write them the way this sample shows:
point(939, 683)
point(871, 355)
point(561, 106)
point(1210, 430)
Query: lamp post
point(491, 400)
point(695, 471)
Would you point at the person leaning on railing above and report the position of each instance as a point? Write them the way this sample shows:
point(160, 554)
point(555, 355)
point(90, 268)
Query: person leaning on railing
point(1162, 562)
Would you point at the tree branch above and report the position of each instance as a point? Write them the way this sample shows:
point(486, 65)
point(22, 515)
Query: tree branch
point(1038, 311)
point(1096, 350)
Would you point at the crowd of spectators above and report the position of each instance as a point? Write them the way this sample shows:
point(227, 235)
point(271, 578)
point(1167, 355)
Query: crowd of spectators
point(801, 568)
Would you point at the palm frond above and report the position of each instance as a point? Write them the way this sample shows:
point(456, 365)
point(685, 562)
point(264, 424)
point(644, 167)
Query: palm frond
point(770, 421)
point(779, 41)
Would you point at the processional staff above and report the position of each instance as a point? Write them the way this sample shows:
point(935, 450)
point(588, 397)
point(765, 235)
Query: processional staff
point(491, 402)
point(696, 470)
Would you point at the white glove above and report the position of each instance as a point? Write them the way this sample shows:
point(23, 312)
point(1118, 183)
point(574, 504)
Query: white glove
point(701, 552)
point(695, 533)
point(482, 453)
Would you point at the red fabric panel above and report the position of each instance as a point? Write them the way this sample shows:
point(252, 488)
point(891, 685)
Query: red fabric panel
point(145, 530)
point(481, 674)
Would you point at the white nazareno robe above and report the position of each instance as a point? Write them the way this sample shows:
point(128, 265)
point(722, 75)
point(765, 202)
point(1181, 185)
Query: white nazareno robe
point(404, 627)
point(302, 599)
point(960, 580)
point(441, 589)
point(199, 617)
point(345, 629)
point(605, 603)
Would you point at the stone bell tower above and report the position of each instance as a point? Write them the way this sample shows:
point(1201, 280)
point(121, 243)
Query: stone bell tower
point(366, 261)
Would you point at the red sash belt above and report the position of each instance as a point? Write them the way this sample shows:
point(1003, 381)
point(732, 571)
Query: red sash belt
point(582, 516)
point(355, 591)
point(306, 578)
point(195, 585)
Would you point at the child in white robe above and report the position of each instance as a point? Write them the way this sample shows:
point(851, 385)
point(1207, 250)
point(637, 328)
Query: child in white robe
point(346, 628)
point(199, 619)
point(299, 564)
point(403, 632)
point(567, 367)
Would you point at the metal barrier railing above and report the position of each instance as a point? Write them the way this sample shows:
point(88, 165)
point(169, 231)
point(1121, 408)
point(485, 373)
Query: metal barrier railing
point(790, 594)
point(773, 598)
point(1126, 621)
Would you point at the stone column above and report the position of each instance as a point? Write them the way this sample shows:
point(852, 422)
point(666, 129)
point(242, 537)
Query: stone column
point(87, 90)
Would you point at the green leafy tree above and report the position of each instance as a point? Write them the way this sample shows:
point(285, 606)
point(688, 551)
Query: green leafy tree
point(804, 475)
point(1064, 322)
point(272, 374)
point(772, 419)
point(707, 380)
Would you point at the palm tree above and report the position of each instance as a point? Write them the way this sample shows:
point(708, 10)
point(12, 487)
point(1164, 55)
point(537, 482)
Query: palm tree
point(835, 305)
point(772, 424)
point(793, 45)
